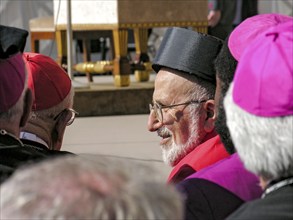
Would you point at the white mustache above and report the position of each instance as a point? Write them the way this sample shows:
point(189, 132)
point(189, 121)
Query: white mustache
point(163, 132)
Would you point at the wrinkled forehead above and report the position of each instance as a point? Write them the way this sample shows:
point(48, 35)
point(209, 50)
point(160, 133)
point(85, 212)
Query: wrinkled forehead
point(170, 84)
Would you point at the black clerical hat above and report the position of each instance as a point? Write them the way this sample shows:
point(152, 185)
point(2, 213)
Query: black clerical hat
point(12, 41)
point(188, 51)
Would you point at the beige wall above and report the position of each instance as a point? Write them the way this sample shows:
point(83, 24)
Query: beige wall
point(17, 13)
point(276, 6)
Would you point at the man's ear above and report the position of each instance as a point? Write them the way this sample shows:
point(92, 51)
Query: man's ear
point(58, 131)
point(209, 107)
point(27, 107)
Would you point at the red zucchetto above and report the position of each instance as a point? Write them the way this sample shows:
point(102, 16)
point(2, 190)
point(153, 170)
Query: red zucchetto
point(45, 76)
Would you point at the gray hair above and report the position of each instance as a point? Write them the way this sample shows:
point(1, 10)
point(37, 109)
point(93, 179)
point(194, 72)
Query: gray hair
point(44, 118)
point(195, 88)
point(264, 144)
point(53, 111)
point(79, 188)
point(201, 90)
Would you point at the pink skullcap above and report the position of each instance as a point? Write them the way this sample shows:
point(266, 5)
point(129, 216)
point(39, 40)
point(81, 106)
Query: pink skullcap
point(249, 29)
point(12, 81)
point(263, 82)
point(49, 83)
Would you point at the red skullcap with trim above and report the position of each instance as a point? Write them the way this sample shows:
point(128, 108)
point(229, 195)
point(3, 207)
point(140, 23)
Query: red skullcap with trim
point(49, 83)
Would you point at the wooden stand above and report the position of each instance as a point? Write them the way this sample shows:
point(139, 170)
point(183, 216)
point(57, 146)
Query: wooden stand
point(139, 16)
point(41, 29)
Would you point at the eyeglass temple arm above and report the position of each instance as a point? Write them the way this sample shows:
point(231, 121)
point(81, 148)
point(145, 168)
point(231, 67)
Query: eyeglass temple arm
point(185, 103)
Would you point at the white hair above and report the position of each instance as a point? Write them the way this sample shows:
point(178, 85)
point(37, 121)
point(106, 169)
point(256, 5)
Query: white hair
point(74, 187)
point(265, 144)
point(174, 153)
point(201, 89)
point(53, 111)
point(45, 118)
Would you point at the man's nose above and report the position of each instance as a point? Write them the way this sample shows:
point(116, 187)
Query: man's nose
point(153, 123)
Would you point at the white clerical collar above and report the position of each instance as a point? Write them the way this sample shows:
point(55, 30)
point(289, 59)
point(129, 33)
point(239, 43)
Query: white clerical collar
point(277, 186)
point(32, 137)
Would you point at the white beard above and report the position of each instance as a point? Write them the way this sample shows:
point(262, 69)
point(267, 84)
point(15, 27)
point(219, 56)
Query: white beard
point(173, 153)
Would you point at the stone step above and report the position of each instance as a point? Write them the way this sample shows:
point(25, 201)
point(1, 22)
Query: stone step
point(102, 98)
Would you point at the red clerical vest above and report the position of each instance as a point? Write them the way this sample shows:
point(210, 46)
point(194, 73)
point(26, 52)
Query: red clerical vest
point(202, 156)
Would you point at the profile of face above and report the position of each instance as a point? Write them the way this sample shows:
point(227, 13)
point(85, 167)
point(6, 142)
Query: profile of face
point(180, 128)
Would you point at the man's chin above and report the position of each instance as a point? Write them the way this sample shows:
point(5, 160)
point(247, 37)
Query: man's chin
point(170, 163)
point(173, 154)
point(169, 158)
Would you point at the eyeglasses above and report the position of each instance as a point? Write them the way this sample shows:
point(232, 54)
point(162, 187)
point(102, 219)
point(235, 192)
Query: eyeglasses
point(158, 107)
point(72, 117)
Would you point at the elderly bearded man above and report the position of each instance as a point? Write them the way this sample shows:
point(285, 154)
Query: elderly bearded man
point(183, 110)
